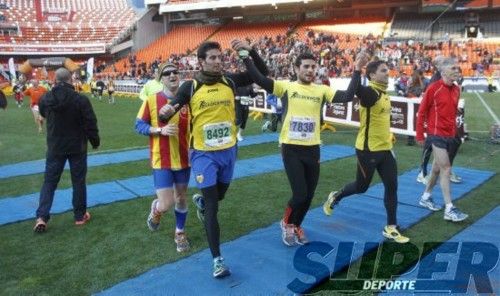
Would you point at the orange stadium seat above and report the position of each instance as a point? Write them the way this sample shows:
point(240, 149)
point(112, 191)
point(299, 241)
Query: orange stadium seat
point(91, 21)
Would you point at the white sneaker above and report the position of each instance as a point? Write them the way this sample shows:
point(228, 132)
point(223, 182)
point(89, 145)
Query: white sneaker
point(455, 179)
point(266, 126)
point(422, 179)
point(429, 203)
point(455, 215)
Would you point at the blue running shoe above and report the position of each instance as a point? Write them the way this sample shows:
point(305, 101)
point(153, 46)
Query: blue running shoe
point(200, 206)
point(220, 269)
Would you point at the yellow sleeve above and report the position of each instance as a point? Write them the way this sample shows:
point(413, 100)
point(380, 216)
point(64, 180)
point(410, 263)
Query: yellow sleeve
point(329, 93)
point(279, 87)
point(143, 95)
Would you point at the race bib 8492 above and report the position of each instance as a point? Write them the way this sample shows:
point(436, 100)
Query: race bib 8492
point(217, 134)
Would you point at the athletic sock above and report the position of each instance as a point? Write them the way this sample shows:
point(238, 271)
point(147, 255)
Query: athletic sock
point(180, 219)
point(448, 207)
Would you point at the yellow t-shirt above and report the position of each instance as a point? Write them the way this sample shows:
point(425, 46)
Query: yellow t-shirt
point(213, 117)
point(375, 122)
point(302, 107)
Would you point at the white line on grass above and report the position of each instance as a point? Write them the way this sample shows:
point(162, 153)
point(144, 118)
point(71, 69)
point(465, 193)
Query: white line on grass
point(488, 108)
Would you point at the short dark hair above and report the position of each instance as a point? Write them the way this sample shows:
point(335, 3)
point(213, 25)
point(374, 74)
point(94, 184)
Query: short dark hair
point(206, 46)
point(372, 67)
point(304, 56)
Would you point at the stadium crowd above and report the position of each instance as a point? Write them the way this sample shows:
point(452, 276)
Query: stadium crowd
point(335, 60)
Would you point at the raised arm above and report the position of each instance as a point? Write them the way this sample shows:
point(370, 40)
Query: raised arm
point(257, 77)
point(355, 83)
point(244, 50)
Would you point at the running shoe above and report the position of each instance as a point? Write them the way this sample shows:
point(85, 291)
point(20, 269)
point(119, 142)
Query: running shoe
point(392, 232)
point(429, 203)
point(220, 268)
point(288, 234)
point(154, 217)
point(181, 241)
point(455, 215)
point(330, 203)
point(300, 235)
point(85, 219)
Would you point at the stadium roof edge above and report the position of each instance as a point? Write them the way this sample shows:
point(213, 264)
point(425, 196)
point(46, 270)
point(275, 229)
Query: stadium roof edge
point(166, 8)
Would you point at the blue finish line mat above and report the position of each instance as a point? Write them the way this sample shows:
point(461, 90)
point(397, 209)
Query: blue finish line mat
point(262, 265)
point(38, 166)
point(467, 264)
point(14, 209)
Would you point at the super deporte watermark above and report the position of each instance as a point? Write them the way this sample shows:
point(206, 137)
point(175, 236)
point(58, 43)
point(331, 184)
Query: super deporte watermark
point(448, 267)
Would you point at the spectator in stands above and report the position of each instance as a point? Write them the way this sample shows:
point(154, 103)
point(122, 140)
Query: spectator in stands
point(437, 116)
point(415, 89)
point(211, 101)
point(401, 83)
point(71, 122)
point(35, 92)
point(169, 154)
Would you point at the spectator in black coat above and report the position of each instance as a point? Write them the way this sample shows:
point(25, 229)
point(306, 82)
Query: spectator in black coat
point(71, 122)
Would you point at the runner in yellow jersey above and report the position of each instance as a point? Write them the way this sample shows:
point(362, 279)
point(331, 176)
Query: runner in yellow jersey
point(374, 147)
point(302, 102)
point(211, 100)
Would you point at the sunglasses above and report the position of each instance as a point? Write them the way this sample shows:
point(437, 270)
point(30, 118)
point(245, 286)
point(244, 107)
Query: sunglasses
point(168, 73)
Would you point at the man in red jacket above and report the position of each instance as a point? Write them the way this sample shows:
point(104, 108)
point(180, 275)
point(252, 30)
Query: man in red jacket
point(439, 110)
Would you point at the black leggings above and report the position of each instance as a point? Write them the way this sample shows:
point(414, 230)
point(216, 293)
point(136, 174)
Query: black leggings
point(426, 154)
point(302, 168)
point(211, 196)
point(241, 115)
point(385, 164)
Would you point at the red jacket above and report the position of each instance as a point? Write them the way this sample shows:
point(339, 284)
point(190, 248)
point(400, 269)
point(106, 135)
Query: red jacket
point(438, 110)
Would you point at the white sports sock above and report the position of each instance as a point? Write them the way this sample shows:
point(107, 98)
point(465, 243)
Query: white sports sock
point(449, 206)
point(426, 196)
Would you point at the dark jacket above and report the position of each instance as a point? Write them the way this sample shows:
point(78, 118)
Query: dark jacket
point(71, 121)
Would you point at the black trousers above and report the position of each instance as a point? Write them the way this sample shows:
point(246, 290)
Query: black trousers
point(54, 167)
point(385, 164)
point(302, 169)
point(241, 114)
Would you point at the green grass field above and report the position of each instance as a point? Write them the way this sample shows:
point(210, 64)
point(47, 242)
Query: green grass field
point(116, 244)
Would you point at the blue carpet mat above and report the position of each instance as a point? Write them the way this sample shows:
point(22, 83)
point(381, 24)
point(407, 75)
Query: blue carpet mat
point(481, 237)
point(262, 265)
point(14, 209)
point(407, 194)
point(38, 166)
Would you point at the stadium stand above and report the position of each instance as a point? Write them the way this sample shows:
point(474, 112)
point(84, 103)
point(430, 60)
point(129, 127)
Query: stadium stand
point(58, 21)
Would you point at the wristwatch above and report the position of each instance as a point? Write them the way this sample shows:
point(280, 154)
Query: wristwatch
point(158, 130)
